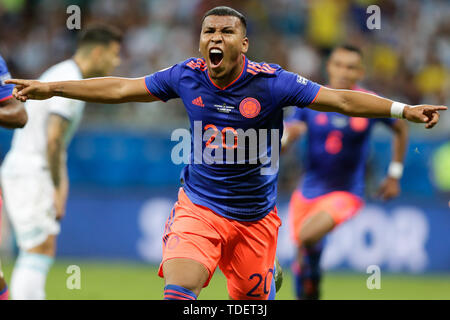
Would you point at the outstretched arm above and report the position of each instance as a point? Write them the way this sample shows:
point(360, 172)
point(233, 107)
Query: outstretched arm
point(12, 114)
point(360, 104)
point(102, 90)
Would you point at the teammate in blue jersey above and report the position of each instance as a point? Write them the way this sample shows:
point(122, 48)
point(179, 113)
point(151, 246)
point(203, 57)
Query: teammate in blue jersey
point(225, 214)
point(332, 187)
point(12, 115)
point(12, 112)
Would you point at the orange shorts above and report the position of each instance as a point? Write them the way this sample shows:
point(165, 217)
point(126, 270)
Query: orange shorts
point(244, 251)
point(341, 205)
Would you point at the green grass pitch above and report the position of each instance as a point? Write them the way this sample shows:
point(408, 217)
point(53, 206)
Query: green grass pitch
point(123, 280)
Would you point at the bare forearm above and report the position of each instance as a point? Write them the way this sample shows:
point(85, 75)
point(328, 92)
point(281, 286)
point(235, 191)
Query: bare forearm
point(12, 114)
point(102, 90)
point(64, 179)
point(61, 191)
point(353, 103)
point(400, 141)
point(360, 104)
point(56, 161)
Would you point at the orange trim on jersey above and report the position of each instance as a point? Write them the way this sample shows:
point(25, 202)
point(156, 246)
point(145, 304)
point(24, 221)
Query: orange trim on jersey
point(240, 74)
point(191, 64)
point(199, 64)
point(175, 297)
point(267, 68)
point(6, 98)
point(255, 68)
point(254, 65)
point(196, 65)
point(316, 95)
point(261, 68)
point(145, 84)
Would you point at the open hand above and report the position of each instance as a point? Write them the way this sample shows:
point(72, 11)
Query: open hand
point(389, 188)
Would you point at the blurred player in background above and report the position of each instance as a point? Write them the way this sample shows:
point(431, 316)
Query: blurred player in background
point(333, 183)
point(34, 174)
point(225, 214)
point(12, 115)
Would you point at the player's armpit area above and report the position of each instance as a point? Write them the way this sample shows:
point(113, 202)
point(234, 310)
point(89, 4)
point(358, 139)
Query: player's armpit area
point(293, 130)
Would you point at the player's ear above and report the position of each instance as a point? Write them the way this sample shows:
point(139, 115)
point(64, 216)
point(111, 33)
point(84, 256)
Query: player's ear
point(244, 45)
point(97, 52)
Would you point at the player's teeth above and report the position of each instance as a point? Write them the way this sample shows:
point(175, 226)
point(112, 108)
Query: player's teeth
point(215, 51)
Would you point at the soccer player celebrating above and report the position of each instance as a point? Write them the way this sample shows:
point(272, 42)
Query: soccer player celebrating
point(225, 214)
point(333, 184)
point(12, 115)
point(34, 173)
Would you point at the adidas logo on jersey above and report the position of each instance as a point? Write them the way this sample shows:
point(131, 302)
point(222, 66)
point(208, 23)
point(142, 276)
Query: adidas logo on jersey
point(198, 101)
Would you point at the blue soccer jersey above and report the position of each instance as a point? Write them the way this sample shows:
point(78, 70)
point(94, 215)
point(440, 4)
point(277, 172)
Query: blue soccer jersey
point(337, 150)
point(5, 89)
point(252, 103)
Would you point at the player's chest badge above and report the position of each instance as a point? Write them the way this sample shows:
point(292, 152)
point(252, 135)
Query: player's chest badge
point(223, 108)
point(249, 108)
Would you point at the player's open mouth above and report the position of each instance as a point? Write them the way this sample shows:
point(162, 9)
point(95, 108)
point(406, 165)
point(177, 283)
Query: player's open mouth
point(216, 57)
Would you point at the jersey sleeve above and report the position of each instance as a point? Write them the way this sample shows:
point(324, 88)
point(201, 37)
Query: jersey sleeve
point(290, 89)
point(66, 108)
point(164, 84)
point(5, 89)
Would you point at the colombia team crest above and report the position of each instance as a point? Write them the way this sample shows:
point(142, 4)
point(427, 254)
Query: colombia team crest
point(249, 107)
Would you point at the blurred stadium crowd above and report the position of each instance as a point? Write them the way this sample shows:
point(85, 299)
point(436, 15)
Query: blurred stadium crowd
point(408, 59)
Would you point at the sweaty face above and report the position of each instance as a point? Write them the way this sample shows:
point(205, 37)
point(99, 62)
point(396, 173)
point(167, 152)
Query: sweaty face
point(345, 69)
point(107, 59)
point(222, 41)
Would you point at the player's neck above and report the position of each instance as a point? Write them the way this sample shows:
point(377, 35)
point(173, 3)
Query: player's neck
point(230, 77)
point(83, 65)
